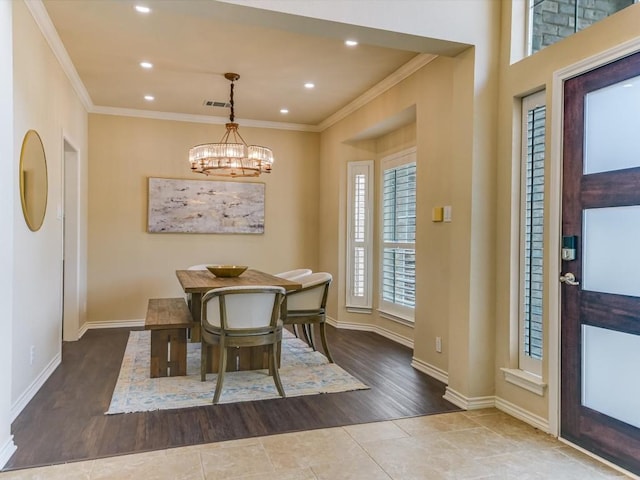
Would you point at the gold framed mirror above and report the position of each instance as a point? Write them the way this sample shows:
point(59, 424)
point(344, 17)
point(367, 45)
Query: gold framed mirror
point(33, 180)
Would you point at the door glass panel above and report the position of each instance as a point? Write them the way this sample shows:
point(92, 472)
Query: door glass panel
point(611, 127)
point(608, 385)
point(611, 255)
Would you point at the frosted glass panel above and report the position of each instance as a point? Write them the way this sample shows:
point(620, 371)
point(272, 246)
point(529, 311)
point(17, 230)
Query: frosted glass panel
point(611, 253)
point(609, 373)
point(612, 115)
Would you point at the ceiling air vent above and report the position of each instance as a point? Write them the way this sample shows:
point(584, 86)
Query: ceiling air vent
point(214, 103)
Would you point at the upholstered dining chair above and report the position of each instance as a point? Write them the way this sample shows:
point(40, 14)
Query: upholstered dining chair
point(294, 274)
point(307, 305)
point(246, 316)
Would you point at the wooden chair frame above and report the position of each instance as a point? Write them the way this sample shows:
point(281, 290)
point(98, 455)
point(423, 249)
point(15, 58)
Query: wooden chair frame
point(308, 318)
point(228, 337)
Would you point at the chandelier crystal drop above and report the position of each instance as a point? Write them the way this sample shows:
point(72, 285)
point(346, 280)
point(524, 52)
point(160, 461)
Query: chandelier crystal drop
point(231, 156)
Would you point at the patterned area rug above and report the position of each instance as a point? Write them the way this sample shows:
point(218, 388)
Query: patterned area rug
point(302, 371)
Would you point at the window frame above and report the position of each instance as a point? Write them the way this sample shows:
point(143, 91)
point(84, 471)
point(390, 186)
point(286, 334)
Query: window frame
point(360, 303)
point(390, 310)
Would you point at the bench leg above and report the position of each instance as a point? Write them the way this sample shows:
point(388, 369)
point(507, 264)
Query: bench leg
point(168, 353)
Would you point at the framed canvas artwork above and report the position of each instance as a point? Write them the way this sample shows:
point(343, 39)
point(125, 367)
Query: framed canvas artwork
point(203, 206)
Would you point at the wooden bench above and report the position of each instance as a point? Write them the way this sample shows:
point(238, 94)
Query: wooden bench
point(168, 319)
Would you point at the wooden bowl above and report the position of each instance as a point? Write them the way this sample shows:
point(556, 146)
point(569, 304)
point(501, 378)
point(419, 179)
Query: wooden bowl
point(226, 270)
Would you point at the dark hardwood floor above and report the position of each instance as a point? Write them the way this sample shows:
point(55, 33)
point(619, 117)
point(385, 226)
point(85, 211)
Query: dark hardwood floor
point(65, 421)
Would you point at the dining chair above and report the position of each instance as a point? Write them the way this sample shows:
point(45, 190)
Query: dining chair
point(294, 274)
point(246, 316)
point(307, 307)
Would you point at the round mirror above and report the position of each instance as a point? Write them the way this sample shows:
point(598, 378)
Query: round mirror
point(33, 180)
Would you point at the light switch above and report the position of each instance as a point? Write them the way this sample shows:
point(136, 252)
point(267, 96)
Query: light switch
point(436, 214)
point(447, 213)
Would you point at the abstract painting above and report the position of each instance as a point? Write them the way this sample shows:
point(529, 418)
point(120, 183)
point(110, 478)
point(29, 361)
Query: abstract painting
point(202, 206)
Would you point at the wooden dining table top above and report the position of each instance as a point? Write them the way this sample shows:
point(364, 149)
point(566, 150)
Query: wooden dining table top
point(200, 281)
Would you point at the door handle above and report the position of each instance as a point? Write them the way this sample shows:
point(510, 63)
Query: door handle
point(569, 279)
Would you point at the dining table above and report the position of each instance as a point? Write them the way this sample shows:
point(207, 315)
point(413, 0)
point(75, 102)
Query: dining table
point(198, 282)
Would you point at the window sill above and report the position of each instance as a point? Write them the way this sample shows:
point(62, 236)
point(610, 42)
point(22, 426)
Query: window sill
point(409, 322)
point(526, 380)
point(358, 309)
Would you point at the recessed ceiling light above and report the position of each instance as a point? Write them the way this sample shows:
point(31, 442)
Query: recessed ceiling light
point(149, 98)
point(142, 9)
point(350, 43)
point(309, 85)
point(146, 64)
point(284, 110)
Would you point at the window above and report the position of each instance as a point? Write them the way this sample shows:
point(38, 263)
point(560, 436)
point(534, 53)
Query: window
point(359, 228)
point(552, 20)
point(398, 254)
point(532, 231)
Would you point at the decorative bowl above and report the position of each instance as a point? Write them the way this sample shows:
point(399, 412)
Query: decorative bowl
point(226, 270)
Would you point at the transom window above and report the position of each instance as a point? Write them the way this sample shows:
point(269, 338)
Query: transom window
point(550, 21)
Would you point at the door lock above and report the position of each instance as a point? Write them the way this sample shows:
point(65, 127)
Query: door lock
point(569, 279)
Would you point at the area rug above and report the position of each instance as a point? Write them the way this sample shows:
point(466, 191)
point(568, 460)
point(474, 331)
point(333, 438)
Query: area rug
point(302, 371)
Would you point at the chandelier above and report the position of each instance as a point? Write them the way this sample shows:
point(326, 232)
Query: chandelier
point(231, 156)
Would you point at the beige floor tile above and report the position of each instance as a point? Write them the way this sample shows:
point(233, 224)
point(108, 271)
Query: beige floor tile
point(436, 423)
point(373, 432)
point(235, 461)
point(289, 474)
point(410, 457)
point(67, 471)
point(150, 466)
point(314, 447)
point(590, 462)
point(479, 442)
point(364, 469)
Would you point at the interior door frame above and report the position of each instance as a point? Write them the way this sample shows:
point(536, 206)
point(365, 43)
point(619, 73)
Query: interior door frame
point(555, 214)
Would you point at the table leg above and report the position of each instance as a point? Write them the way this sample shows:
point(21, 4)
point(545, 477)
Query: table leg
point(196, 309)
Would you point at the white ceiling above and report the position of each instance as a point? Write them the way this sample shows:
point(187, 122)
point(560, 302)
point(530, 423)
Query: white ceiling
point(192, 43)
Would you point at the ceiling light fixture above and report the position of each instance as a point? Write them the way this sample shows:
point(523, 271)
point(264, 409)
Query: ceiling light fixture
point(231, 156)
point(350, 43)
point(149, 98)
point(309, 85)
point(284, 110)
point(142, 9)
point(146, 64)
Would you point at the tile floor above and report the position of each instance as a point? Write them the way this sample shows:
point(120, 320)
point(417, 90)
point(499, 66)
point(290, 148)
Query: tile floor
point(482, 444)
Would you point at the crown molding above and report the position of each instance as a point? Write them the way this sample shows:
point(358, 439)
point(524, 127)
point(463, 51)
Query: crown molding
point(409, 68)
point(187, 117)
point(42, 19)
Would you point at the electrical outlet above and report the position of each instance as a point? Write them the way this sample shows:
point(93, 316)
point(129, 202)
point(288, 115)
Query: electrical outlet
point(32, 354)
point(439, 344)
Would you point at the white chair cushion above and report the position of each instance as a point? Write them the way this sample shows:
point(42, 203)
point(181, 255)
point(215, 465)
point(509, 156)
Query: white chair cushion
point(310, 299)
point(244, 310)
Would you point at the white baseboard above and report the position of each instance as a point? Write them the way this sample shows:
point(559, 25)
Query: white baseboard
point(430, 370)
point(365, 327)
point(6, 451)
point(32, 389)
point(522, 414)
point(110, 324)
point(468, 403)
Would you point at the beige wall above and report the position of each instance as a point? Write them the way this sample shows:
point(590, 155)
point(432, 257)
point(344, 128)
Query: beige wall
point(527, 76)
point(430, 91)
point(127, 265)
point(44, 101)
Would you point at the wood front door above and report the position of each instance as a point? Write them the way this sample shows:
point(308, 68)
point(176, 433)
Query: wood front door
point(600, 334)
